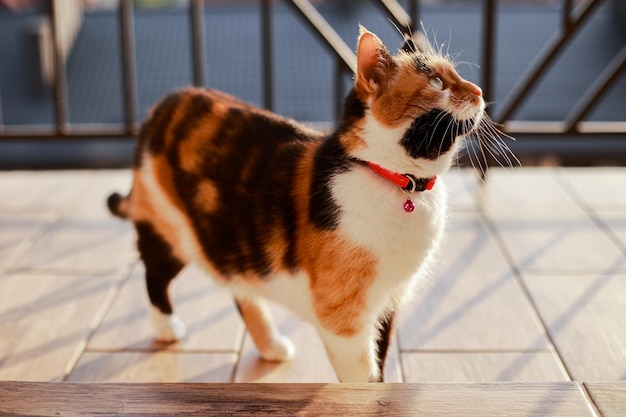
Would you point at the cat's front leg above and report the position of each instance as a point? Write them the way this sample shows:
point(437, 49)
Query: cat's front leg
point(354, 356)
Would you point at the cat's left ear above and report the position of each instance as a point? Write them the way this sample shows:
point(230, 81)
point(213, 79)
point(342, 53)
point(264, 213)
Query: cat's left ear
point(374, 62)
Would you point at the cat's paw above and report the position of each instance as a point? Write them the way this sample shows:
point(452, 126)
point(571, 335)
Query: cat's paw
point(168, 328)
point(279, 350)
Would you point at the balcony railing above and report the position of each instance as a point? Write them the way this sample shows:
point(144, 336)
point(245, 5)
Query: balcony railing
point(575, 125)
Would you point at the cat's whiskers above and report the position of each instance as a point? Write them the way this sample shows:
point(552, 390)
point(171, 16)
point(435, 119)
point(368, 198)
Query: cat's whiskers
point(489, 140)
point(436, 123)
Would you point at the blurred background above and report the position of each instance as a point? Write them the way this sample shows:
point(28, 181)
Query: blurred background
point(73, 92)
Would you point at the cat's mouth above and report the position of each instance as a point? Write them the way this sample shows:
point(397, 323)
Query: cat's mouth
point(469, 111)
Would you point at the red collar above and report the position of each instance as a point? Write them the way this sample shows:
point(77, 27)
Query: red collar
point(407, 182)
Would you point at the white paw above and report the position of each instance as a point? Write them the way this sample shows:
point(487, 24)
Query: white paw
point(167, 328)
point(280, 350)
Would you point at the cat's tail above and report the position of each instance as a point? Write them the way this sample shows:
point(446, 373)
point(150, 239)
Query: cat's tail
point(118, 205)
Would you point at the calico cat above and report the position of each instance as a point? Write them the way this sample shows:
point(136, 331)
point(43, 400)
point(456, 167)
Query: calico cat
point(338, 227)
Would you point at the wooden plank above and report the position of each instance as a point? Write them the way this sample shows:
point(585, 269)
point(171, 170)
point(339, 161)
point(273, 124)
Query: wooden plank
point(609, 397)
point(208, 311)
point(494, 400)
point(472, 302)
point(585, 316)
point(164, 366)
point(482, 367)
point(45, 322)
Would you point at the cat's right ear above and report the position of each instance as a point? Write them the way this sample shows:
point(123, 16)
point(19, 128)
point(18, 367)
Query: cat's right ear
point(374, 62)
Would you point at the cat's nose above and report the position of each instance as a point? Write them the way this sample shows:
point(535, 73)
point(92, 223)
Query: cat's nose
point(477, 90)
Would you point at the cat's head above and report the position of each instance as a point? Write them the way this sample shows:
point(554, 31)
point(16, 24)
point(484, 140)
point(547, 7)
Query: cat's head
point(417, 108)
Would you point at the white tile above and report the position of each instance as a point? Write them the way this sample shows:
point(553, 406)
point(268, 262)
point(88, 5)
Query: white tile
point(527, 194)
point(208, 311)
point(599, 188)
point(585, 317)
point(560, 245)
point(87, 238)
point(41, 191)
point(45, 321)
point(164, 366)
point(18, 234)
point(452, 367)
point(473, 301)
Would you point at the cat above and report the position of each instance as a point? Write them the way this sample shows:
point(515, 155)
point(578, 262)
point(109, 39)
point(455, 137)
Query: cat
point(338, 227)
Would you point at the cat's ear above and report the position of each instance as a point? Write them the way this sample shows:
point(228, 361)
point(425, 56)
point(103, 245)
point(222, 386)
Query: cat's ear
point(374, 62)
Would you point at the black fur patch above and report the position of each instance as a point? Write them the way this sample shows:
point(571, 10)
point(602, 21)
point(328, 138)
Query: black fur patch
point(331, 159)
point(353, 110)
point(199, 106)
point(384, 340)
point(432, 134)
point(160, 121)
point(161, 265)
point(254, 172)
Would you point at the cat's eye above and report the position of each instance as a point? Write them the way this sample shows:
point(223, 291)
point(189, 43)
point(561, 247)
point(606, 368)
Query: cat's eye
point(436, 82)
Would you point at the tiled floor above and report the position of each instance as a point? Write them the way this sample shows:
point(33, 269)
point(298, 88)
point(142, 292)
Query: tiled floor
point(531, 287)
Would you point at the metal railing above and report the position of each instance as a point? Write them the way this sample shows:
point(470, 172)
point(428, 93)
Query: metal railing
point(572, 21)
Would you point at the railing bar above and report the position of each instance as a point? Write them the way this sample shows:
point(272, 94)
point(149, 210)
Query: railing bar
point(566, 14)
point(489, 47)
point(527, 129)
point(414, 13)
point(599, 87)
point(267, 54)
point(558, 128)
point(197, 42)
point(543, 60)
point(1, 120)
point(397, 14)
point(488, 51)
point(325, 32)
point(128, 65)
point(338, 88)
point(10, 135)
point(60, 81)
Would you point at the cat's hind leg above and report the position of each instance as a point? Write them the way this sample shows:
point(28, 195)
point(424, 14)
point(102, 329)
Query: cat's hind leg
point(162, 266)
point(256, 315)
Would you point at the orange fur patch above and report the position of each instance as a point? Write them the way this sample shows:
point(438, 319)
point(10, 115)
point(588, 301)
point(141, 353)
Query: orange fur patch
point(340, 273)
point(403, 97)
point(341, 276)
point(207, 197)
point(352, 140)
point(407, 94)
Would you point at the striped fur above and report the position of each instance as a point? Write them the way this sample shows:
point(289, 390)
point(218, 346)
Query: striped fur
point(276, 211)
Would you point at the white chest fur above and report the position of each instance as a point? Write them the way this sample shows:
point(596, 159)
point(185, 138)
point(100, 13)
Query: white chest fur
point(373, 217)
